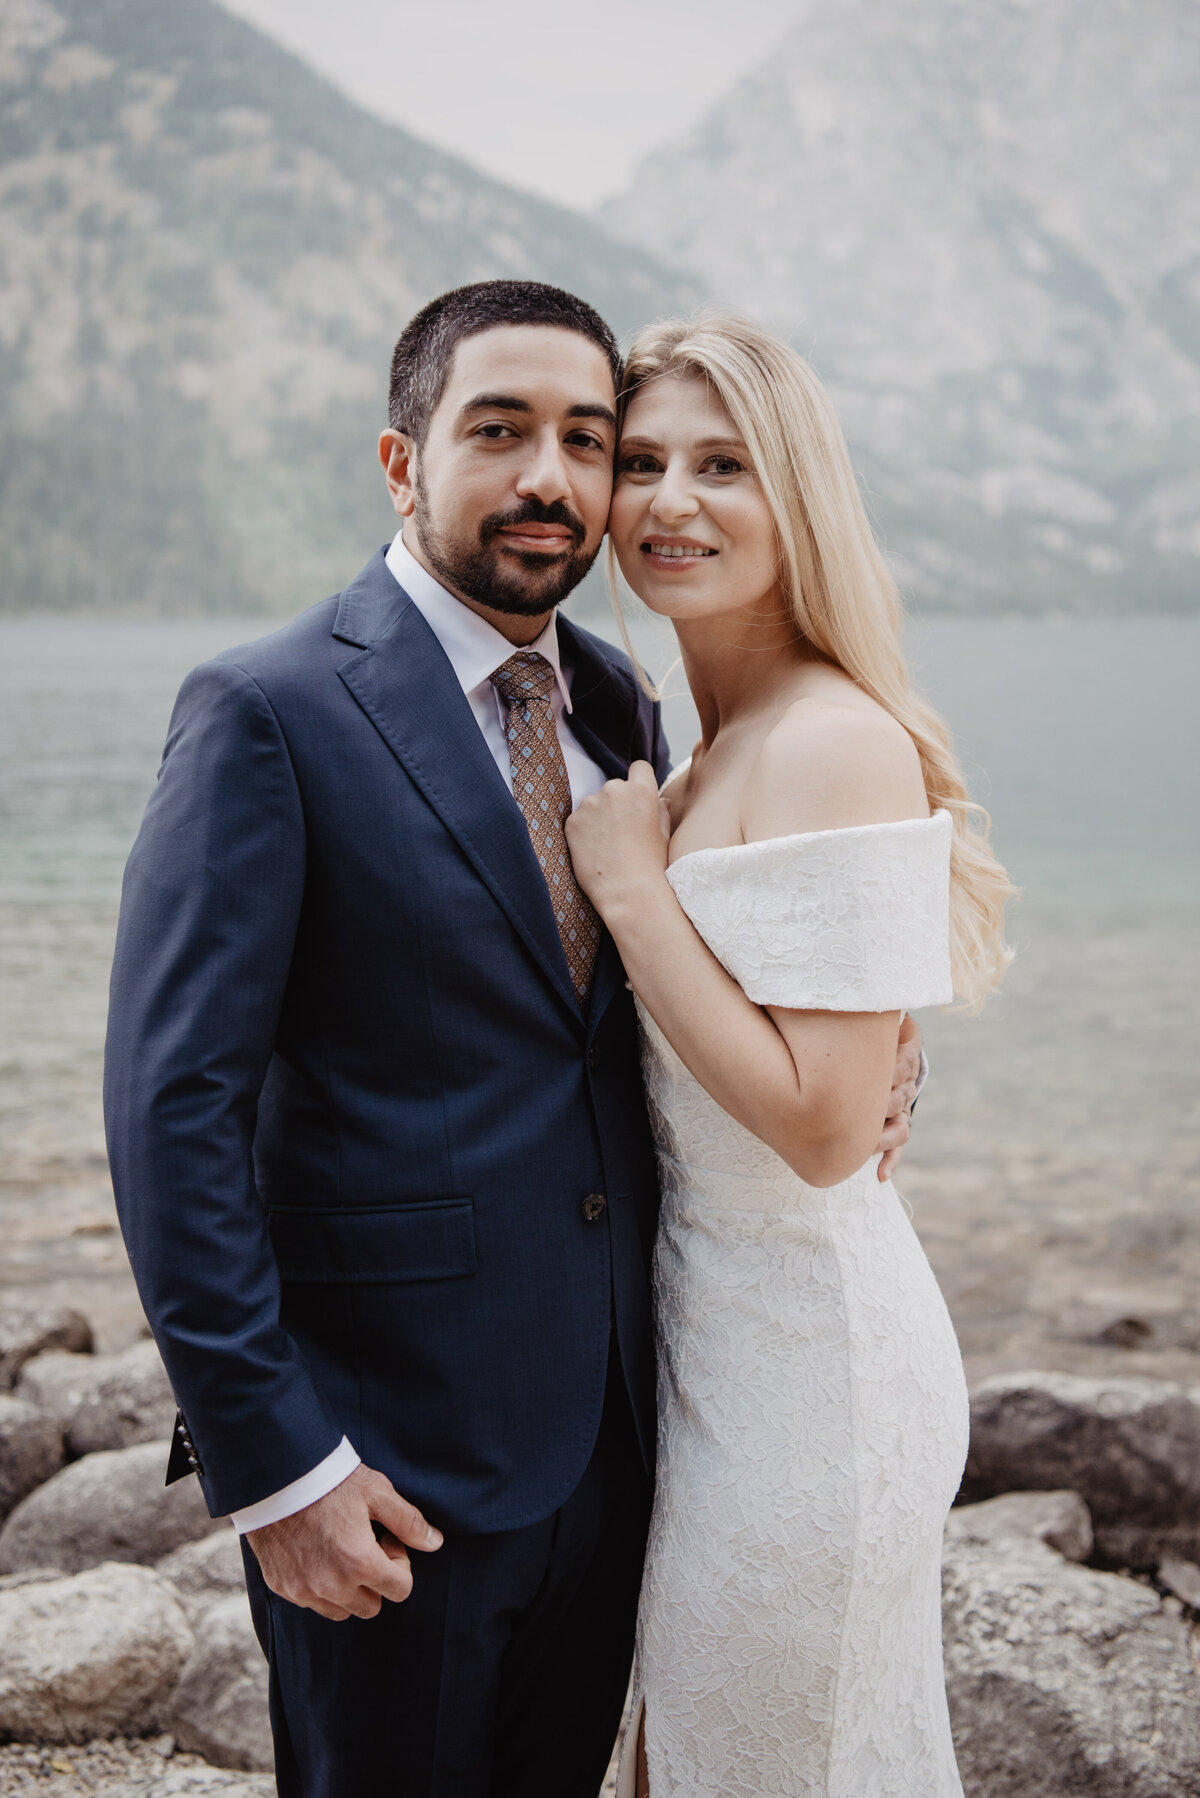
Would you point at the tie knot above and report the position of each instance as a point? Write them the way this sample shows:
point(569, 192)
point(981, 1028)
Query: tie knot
point(525, 676)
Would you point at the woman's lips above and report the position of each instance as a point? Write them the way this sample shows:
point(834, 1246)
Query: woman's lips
point(662, 552)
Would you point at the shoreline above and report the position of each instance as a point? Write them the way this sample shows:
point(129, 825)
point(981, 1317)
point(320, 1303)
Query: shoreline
point(1054, 1172)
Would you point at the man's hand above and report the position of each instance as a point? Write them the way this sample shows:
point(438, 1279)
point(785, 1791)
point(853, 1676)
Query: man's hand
point(327, 1558)
point(898, 1125)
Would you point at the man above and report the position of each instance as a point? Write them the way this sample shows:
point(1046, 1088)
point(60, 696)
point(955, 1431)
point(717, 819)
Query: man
point(375, 1117)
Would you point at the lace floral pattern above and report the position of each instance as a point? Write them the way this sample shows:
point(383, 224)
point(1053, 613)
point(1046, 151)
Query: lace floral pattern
point(813, 1412)
point(835, 920)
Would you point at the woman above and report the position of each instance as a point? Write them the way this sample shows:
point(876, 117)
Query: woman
point(813, 871)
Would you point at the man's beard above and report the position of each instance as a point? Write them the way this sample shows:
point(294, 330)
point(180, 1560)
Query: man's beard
point(518, 582)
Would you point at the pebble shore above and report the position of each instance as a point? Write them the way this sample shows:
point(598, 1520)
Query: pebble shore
point(103, 1768)
point(1054, 1177)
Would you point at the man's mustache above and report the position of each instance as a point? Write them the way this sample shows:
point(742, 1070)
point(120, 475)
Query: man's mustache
point(532, 511)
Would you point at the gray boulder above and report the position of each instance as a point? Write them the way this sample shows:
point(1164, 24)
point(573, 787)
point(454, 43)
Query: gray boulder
point(1062, 1679)
point(31, 1449)
point(203, 1572)
point(1182, 1578)
point(29, 1327)
point(130, 1402)
point(220, 1706)
point(111, 1506)
point(58, 1382)
point(1060, 1519)
point(1130, 1448)
point(93, 1655)
point(102, 1401)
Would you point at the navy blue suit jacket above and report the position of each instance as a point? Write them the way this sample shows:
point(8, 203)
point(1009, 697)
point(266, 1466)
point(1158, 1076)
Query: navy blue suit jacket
point(356, 1118)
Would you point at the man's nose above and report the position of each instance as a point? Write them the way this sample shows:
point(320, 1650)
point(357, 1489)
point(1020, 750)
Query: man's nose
point(545, 475)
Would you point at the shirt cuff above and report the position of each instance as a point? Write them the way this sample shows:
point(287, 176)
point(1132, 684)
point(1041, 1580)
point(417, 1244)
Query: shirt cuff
point(922, 1077)
point(305, 1491)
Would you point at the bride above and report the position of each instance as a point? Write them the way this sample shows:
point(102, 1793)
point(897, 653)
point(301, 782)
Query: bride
point(815, 870)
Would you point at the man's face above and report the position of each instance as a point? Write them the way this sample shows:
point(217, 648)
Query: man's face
point(509, 493)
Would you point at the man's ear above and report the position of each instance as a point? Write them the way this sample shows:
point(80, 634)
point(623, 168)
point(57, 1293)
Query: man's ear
point(397, 453)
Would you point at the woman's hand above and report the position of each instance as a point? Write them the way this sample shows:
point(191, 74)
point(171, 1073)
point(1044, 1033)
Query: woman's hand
point(618, 840)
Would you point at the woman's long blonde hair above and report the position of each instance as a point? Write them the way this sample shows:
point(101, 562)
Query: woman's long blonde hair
point(842, 598)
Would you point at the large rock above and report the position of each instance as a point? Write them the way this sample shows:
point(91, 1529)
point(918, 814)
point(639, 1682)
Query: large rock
point(58, 1382)
point(29, 1327)
point(103, 1401)
point(1130, 1448)
point(205, 1571)
point(1060, 1519)
point(1182, 1578)
point(131, 1402)
point(220, 1707)
point(110, 1506)
point(31, 1449)
point(1062, 1679)
point(93, 1655)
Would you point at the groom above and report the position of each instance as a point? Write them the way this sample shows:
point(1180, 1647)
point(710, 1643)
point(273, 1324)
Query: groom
point(375, 1118)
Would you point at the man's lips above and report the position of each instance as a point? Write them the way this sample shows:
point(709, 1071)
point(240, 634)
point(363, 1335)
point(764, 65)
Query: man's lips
point(537, 536)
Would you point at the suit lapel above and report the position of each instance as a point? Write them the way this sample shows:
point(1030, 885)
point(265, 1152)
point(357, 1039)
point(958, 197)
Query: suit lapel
point(404, 683)
point(603, 704)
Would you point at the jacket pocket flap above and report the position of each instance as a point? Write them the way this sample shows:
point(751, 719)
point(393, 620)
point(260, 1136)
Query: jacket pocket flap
point(374, 1245)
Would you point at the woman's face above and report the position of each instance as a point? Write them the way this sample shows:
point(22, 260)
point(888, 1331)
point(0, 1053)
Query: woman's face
point(689, 521)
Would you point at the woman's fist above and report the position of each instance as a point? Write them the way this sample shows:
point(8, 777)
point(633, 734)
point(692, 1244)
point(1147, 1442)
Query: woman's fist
point(618, 838)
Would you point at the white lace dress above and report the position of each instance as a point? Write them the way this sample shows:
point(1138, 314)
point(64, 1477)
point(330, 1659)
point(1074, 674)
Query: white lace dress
point(813, 1412)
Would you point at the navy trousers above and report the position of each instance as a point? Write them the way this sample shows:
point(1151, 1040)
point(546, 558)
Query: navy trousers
point(502, 1675)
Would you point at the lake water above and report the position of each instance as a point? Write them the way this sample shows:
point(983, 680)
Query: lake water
point(1055, 1171)
point(1083, 738)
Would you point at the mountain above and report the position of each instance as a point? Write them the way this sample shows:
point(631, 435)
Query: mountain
point(981, 220)
point(207, 254)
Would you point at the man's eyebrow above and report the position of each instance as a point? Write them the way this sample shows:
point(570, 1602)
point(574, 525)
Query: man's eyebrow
point(593, 409)
point(497, 402)
point(510, 402)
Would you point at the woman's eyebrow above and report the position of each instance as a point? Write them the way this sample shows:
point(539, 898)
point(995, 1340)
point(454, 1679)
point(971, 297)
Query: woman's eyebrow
point(630, 438)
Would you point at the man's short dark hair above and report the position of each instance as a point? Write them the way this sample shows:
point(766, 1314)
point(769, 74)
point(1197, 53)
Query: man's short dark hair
point(422, 357)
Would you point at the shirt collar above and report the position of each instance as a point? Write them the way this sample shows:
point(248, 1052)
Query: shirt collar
point(473, 647)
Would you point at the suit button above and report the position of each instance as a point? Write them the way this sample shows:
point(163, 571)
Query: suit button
point(594, 1207)
point(593, 1058)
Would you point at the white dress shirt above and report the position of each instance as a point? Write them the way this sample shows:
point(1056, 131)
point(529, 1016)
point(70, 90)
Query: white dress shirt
point(474, 650)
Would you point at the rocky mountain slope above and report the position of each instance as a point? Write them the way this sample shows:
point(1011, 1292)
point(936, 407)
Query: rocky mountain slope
point(982, 221)
point(206, 253)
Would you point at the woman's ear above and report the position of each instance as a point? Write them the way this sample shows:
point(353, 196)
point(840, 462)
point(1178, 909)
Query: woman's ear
point(397, 453)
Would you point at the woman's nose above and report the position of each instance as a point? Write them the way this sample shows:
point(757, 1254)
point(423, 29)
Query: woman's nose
point(673, 498)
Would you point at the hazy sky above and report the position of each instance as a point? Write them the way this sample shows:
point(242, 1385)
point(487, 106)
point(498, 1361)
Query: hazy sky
point(547, 94)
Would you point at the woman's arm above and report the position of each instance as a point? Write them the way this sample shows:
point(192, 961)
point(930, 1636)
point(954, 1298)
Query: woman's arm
point(814, 1086)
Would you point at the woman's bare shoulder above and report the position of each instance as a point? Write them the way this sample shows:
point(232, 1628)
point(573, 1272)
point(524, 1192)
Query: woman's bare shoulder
point(834, 758)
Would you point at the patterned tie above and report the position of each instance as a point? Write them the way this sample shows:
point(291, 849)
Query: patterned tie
point(543, 792)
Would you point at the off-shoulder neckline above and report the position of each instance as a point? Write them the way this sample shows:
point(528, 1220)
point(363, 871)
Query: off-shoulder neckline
point(809, 836)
